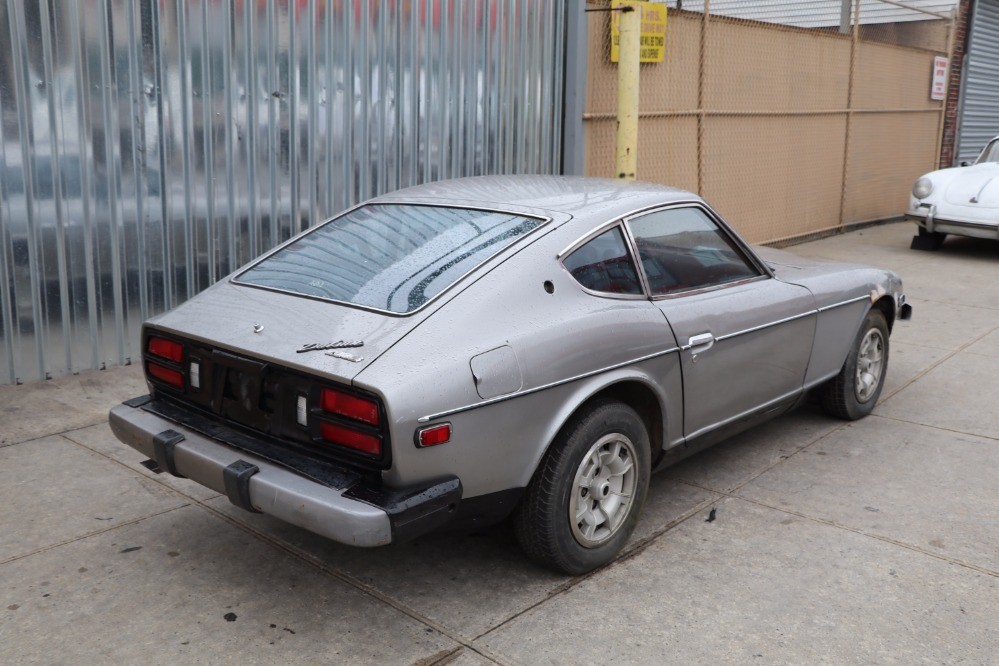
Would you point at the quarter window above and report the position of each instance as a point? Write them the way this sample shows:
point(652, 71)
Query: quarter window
point(683, 249)
point(604, 264)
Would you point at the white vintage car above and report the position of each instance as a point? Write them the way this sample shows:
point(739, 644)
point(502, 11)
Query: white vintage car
point(960, 200)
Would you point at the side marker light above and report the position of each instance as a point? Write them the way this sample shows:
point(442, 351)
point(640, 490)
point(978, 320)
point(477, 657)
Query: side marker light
point(433, 435)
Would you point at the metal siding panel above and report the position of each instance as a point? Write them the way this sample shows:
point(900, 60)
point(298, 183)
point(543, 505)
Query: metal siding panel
point(820, 13)
point(160, 144)
point(979, 120)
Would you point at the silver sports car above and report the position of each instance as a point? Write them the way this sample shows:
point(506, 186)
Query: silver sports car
point(463, 351)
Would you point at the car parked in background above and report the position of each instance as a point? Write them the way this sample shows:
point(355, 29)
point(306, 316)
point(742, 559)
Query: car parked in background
point(463, 351)
point(960, 200)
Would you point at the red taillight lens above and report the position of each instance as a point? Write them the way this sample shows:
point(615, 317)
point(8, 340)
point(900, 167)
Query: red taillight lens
point(168, 349)
point(350, 438)
point(434, 435)
point(167, 375)
point(349, 406)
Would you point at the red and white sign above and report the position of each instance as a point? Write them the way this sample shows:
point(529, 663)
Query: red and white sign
point(938, 89)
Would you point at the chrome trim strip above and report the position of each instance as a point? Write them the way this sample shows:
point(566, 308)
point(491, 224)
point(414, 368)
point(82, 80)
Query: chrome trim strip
point(544, 387)
point(737, 240)
point(607, 294)
point(617, 220)
point(842, 303)
point(783, 321)
point(622, 220)
point(763, 326)
point(713, 287)
point(963, 223)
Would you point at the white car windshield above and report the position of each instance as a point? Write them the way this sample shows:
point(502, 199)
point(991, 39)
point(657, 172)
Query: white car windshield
point(388, 257)
point(991, 153)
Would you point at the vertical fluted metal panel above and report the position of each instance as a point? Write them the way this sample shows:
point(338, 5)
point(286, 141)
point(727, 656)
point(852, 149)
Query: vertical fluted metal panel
point(150, 147)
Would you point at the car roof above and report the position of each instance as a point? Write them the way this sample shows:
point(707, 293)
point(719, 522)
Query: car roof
point(591, 199)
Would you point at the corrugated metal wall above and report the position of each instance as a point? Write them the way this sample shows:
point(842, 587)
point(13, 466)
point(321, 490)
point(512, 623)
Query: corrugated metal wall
point(979, 116)
point(150, 147)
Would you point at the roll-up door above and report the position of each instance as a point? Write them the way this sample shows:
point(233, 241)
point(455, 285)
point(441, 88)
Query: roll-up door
point(979, 117)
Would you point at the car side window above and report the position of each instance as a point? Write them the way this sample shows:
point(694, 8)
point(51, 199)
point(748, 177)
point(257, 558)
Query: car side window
point(990, 154)
point(604, 264)
point(683, 249)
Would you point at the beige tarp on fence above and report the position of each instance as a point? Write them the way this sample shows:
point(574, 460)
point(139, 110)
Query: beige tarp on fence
point(786, 131)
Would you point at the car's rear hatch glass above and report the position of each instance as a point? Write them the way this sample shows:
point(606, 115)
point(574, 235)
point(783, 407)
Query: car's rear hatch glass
point(389, 257)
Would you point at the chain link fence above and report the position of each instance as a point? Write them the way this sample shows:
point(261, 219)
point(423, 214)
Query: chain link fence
point(792, 118)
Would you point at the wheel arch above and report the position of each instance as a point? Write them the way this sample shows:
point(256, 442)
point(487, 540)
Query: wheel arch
point(640, 397)
point(637, 392)
point(886, 305)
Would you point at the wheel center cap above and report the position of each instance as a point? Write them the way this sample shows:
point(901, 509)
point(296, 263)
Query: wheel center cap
point(600, 488)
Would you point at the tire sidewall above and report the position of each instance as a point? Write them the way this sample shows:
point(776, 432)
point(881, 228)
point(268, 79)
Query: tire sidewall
point(605, 419)
point(874, 320)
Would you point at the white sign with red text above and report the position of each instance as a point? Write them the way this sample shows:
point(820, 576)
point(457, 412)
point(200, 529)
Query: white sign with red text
point(938, 88)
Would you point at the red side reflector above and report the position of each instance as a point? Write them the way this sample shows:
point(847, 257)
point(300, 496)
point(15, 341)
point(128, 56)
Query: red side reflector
point(168, 349)
point(434, 435)
point(350, 406)
point(350, 438)
point(167, 375)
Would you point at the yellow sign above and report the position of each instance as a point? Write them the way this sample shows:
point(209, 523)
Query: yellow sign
point(653, 30)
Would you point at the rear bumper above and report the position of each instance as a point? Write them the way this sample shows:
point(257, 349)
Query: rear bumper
point(357, 511)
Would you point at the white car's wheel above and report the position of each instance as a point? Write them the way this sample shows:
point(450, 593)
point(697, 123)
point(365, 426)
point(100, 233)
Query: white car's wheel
point(927, 240)
point(586, 495)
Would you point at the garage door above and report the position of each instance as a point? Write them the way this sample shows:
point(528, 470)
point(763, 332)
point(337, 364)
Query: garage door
point(979, 119)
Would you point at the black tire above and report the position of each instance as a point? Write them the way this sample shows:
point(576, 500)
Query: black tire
point(608, 444)
point(853, 393)
point(927, 240)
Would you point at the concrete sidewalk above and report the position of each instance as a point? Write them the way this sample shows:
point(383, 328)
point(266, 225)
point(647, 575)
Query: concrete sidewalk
point(867, 542)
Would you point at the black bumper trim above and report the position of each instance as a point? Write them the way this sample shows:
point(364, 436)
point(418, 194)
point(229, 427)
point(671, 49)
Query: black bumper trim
point(138, 401)
point(237, 483)
point(415, 511)
point(269, 449)
point(163, 445)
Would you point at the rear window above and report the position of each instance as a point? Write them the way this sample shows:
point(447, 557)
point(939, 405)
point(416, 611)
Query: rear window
point(389, 257)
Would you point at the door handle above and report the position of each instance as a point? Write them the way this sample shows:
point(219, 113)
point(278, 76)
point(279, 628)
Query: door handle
point(700, 343)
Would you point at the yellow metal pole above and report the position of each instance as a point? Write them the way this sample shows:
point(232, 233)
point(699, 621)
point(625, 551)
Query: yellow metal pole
point(627, 91)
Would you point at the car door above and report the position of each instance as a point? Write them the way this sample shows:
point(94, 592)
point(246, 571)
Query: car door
point(745, 337)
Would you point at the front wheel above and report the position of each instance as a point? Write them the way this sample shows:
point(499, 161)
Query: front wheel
point(927, 240)
point(853, 393)
point(586, 495)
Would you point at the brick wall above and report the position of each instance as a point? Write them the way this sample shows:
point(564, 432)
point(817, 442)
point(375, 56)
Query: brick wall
point(947, 146)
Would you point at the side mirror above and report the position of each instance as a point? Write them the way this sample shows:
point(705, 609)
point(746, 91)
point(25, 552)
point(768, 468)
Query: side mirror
point(965, 163)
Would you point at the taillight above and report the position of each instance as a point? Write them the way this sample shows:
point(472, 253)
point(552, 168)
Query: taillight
point(168, 349)
point(351, 438)
point(167, 375)
point(350, 420)
point(349, 406)
point(164, 359)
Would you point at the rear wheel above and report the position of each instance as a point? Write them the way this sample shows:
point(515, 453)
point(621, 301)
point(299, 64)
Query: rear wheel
point(854, 392)
point(586, 495)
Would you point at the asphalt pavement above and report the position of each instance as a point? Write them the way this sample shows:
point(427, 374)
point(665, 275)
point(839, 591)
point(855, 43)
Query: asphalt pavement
point(849, 543)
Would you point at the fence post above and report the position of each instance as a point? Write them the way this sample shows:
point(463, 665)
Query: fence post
point(854, 47)
point(627, 91)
